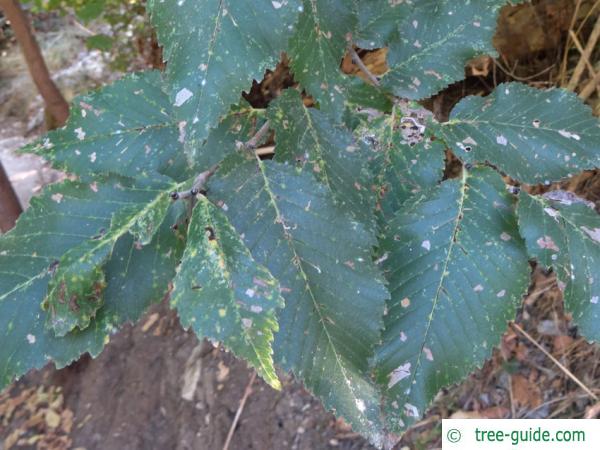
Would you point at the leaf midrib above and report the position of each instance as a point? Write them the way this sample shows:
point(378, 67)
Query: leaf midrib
point(223, 256)
point(289, 241)
point(443, 276)
point(113, 235)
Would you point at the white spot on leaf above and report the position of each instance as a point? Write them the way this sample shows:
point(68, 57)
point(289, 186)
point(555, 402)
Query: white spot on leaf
point(398, 374)
point(411, 410)
point(569, 135)
point(182, 125)
point(547, 242)
point(360, 405)
point(501, 140)
point(426, 245)
point(594, 234)
point(80, 133)
point(428, 353)
point(183, 96)
point(552, 213)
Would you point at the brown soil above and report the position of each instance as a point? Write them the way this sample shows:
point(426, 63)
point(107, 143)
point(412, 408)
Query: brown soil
point(156, 387)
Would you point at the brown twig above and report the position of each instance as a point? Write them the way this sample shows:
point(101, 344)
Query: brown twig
point(555, 361)
point(197, 186)
point(518, 78)
point(563, 65)
point(253, 142)
point(10, 208)
point(585, 56)
point(54, 100)
point(238, 413)
point(361, 65)
point(590, 87)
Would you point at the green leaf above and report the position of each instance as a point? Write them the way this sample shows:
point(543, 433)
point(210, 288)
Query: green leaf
point(333, 294)
point(378, 22)
point(435, 41)
point(365, 102)
point(457, 270)
point(214, 51)
point(403, 170)
point(565, 234)
point(76, 289)
point(90, 9)
point(308, 138)
point(363, 96)
point(222, 293)
point(125, 128)
point(317, 48)
point(239, 125)
point(99, 42)
point(65, 216)
point(532, 135)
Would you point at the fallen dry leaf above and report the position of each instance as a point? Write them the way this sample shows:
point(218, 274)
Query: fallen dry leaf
point(526, 394)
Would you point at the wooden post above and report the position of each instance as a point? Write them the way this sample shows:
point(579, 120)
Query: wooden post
point(55, 102)
point(10, 208)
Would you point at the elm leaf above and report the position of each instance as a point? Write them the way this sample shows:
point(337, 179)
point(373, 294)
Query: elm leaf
point(222, 293)
point(457, 270)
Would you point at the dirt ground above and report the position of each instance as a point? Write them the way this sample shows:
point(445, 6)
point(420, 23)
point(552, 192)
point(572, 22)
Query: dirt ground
point(156, 387)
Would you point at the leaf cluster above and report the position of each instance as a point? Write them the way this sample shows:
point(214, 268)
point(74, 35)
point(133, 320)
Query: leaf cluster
point(346, 257)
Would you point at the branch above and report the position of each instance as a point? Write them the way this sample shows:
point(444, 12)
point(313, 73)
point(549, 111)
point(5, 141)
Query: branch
point(202, 178)
point(361, 65)
point(253, 142)
point(10, 208)
point(55, 102)
point(197, 187)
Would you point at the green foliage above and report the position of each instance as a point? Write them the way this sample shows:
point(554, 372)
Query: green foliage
point(349, 257)
point(402, 170)
point(317, 47)
point(213, 49)
point(99, 42)
point(308, 138)
point(137, 137)
point(434, 41)
point(563, 232)
point(334, 297)
point(224, 294)
point(66, 216)
point(457, 270)
point(533, 136)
